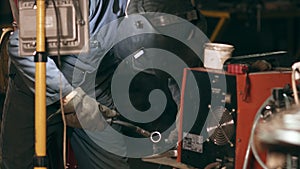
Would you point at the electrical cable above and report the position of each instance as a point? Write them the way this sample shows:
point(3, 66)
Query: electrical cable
point(251, 145)
point(4, 57)
point(58, 28)
point(126, 9)
point(251, 141)
point(294, 85)
point(247, 155)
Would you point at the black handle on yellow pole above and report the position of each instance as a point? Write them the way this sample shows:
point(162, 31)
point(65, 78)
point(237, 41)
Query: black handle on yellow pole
point(40, 161)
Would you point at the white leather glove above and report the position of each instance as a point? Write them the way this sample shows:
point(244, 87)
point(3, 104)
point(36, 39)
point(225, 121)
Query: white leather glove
point(83, 111)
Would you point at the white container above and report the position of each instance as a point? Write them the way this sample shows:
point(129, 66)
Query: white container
point(215, 54)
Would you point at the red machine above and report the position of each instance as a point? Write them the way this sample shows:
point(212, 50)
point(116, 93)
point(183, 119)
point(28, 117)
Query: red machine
point(241, 96)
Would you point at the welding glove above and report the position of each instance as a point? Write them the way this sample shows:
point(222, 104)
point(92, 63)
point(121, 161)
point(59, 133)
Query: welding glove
point(83, 111)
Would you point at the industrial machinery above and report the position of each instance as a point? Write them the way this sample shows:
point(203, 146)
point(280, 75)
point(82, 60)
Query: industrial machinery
point(227, 108)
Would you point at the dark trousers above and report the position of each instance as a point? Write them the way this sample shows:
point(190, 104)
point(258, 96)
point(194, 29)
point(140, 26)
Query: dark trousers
point(17, 136)
point(91, 156)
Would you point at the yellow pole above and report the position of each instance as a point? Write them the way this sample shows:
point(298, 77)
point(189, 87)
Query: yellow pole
point(222, 15)
point(40, 25)
point(217, 29)
point(40, 161)
point(40, 112)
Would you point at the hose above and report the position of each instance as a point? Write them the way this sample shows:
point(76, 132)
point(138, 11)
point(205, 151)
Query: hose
point(251, 145)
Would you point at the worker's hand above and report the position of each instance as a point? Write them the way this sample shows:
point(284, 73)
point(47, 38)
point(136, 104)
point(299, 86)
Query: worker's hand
point(82, 111)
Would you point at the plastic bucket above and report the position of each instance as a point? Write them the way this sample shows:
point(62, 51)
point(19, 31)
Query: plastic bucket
point(215, 54)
